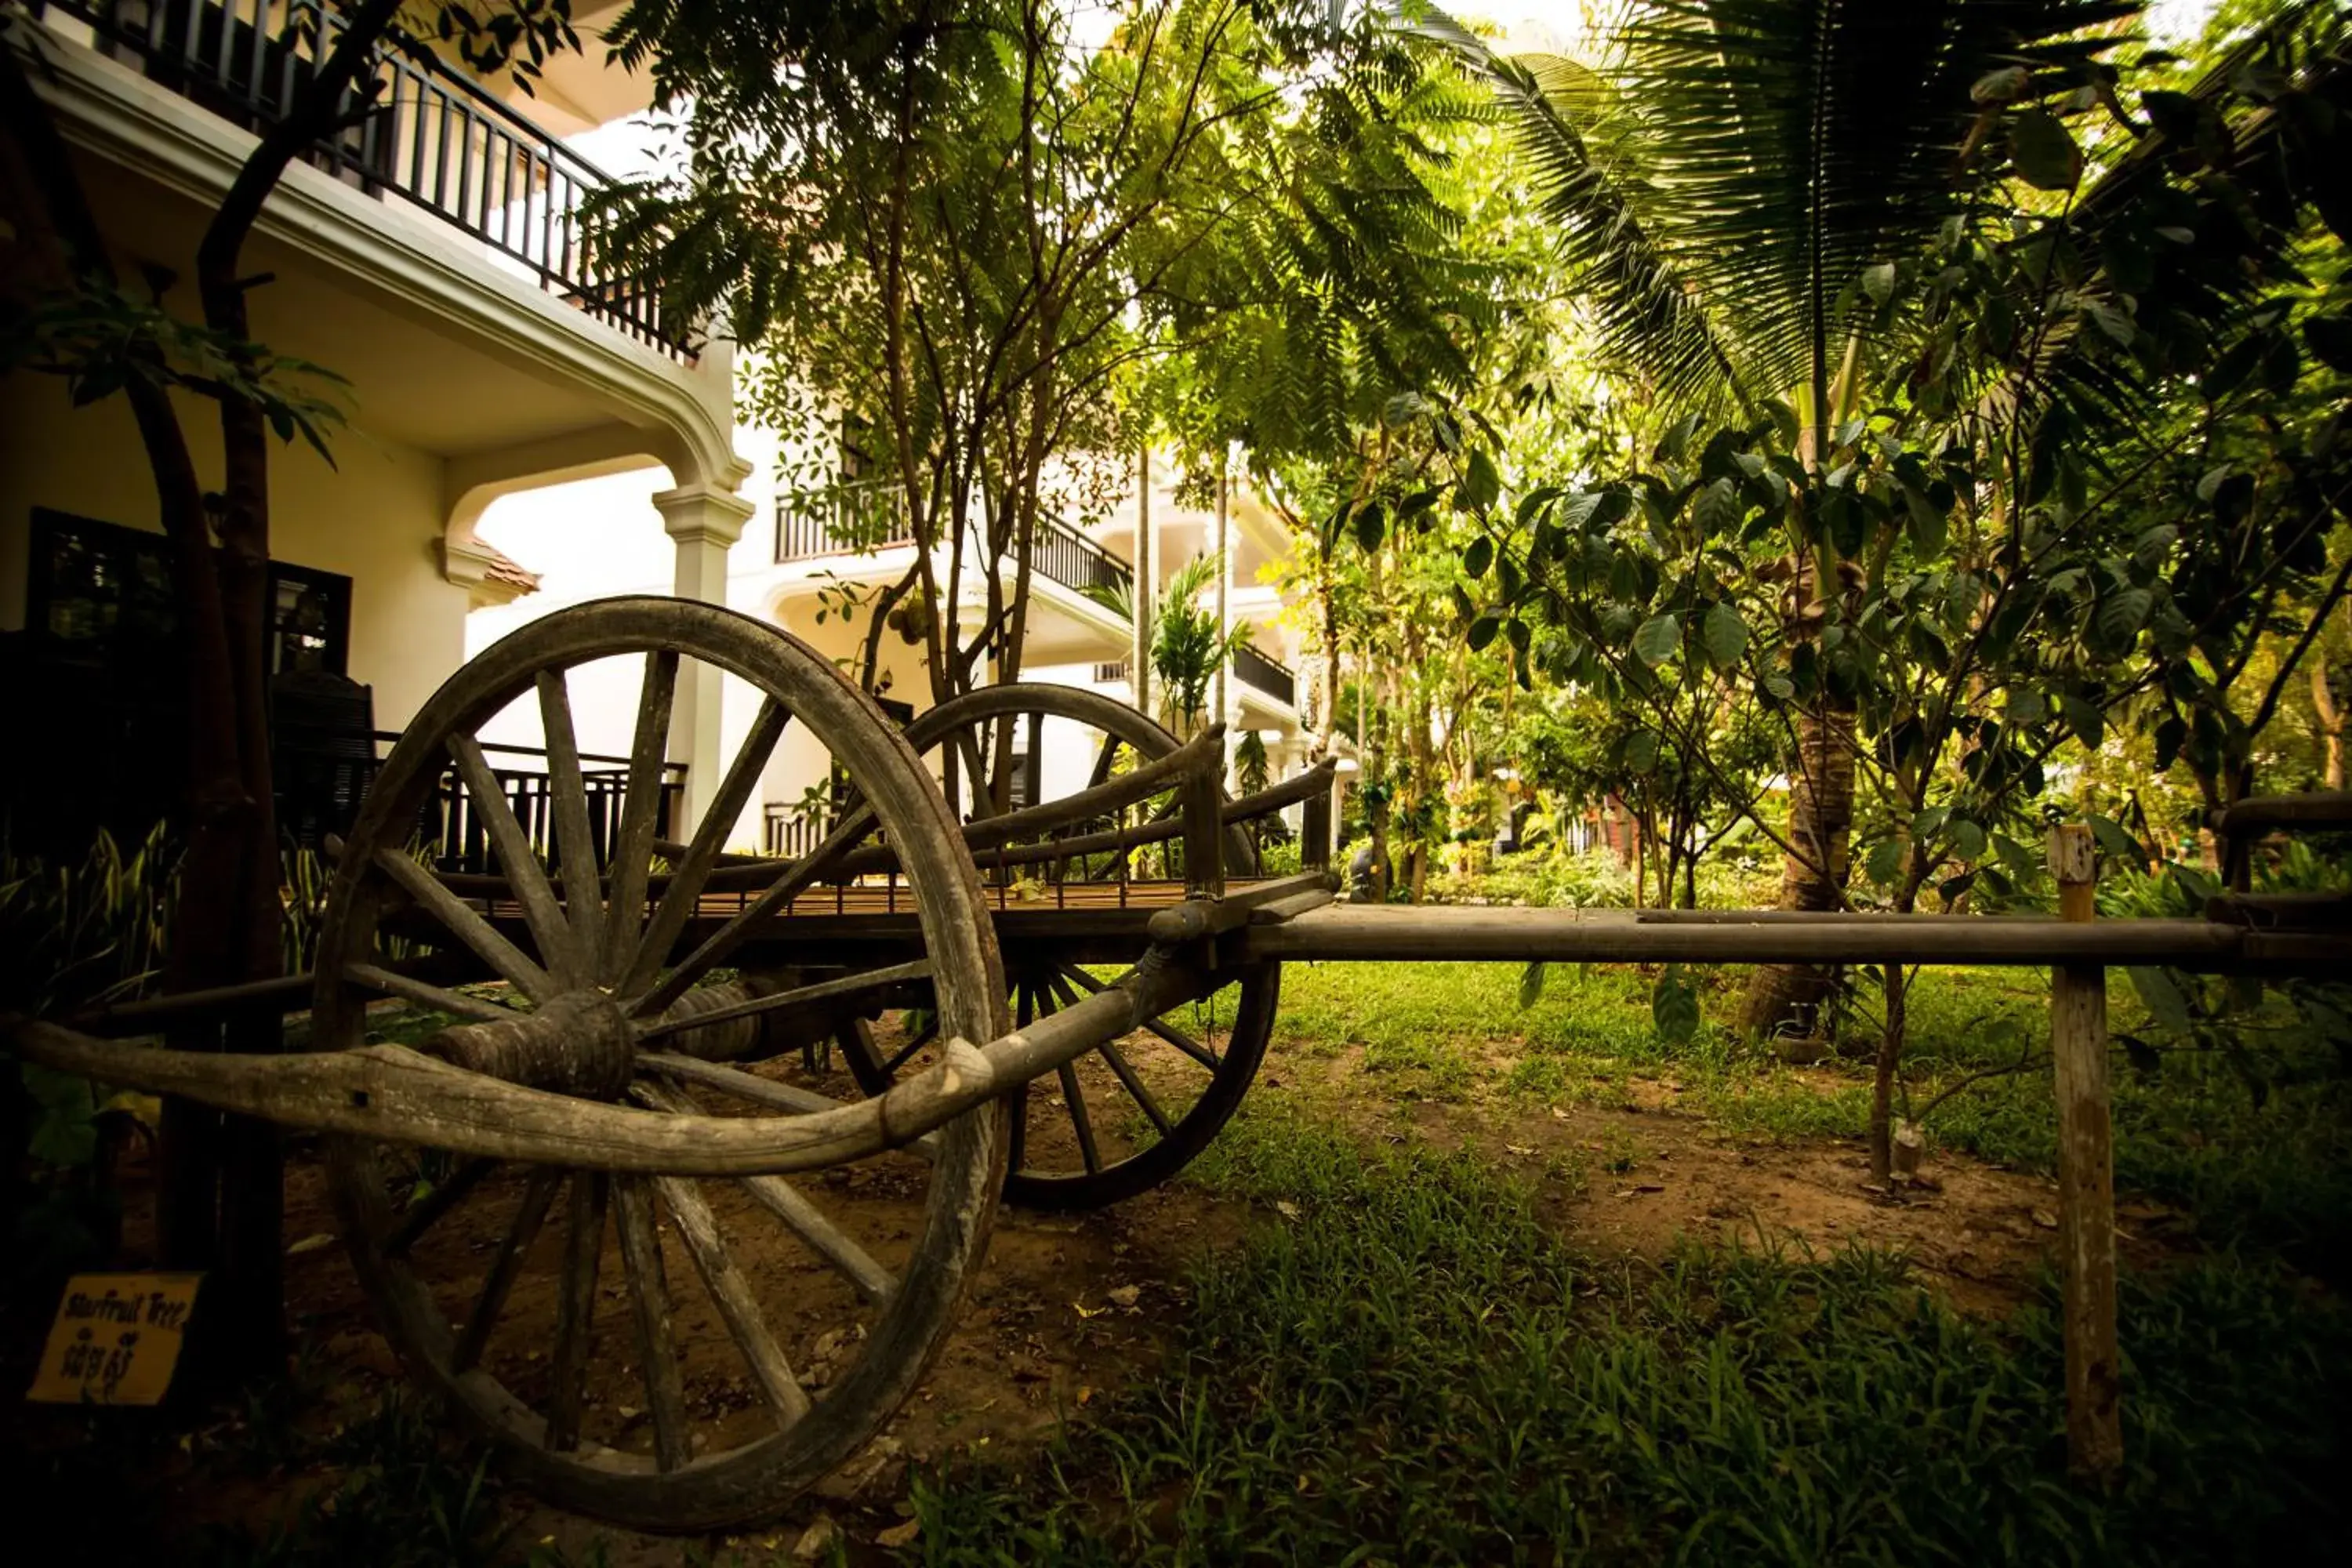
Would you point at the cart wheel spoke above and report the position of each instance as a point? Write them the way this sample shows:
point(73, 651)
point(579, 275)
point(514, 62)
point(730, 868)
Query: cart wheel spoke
point(732, 1296)
point(558, 946)
point(391, 983)
point(1017, 1142)
point(567, 788)
point(434, 1206)
point(530, 1215)
point(684, 894)
point(640, 813)
point(1075, 1098)
point(803, 1219)
point(1205, 1055)
point(649, 1295)
point(458, 919)
point(1136, 1088)
point(1103, 760)
point(747, 921)
point(875, 1284)
point(923, 1037)
point(575, 1306)
point(730, 1080)
point(823, 990)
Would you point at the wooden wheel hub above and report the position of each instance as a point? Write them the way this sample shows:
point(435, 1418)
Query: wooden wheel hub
point(579, 1043)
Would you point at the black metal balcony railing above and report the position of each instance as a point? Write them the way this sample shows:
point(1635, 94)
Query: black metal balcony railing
point(1254, 669)
point(321, 788)
point(871, 514)
point(432, 137)
point(842, 520)
point(1071, 559)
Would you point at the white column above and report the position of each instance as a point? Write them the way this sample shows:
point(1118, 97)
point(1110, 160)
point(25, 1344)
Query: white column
point(705, 521)
point(1139, 669)
point(1225, 704)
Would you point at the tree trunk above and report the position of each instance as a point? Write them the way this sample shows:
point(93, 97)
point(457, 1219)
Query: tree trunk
point(2331, 723)
point(1786, 997)
point(1882, 1083)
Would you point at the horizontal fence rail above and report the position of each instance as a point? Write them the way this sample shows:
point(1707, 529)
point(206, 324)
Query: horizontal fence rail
point(428, 135)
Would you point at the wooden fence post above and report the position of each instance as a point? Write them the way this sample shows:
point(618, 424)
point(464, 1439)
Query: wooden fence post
point(2086, 1179)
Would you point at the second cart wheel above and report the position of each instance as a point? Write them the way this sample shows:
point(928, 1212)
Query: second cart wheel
point(640, 1397)
point(1128, 1116)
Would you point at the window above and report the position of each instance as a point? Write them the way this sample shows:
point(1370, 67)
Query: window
point(102, 593)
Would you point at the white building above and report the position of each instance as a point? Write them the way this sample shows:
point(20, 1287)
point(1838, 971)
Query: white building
point(578, 542)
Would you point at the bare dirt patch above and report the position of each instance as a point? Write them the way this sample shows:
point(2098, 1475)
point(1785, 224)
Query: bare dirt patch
point(1645, 1176)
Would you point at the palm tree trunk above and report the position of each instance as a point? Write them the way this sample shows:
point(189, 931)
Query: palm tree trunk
point(2331, 723)
point(1786, 997)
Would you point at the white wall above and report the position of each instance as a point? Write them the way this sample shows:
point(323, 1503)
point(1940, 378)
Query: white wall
point(374, 516)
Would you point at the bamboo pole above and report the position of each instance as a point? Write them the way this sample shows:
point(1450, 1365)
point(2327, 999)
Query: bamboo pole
point(2086, 1179)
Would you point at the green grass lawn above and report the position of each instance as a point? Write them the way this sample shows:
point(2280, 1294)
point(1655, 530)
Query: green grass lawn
point(2273, 1170)
point(1402, 1363)
point(1414, 1370)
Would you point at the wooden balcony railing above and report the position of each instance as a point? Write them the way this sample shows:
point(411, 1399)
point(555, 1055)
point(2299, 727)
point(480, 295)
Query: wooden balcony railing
point(432, 137)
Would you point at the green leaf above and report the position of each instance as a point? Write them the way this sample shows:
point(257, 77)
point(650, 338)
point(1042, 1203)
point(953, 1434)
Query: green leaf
point(2112, 322)
point(1967, 839)
point(1368, 526)
point(1531, 983)
point(1670, 446)
point(2090, 725)
point(1878, 282)
point(1660, 639)
point(2330, 338)
point(2123, 613)
point(1480, 484)
point(1717, 509)
point(2117, 842)
point(1723, 634)
point(1479, 556)
point(1886, 861)
point(1463, 607)
point(2161, 996)
point(1639, 752)
point(2044, 151)
point(1482, 632)
point(1673, 1007)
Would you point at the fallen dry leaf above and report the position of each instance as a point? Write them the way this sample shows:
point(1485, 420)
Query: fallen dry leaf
point(899, 1534)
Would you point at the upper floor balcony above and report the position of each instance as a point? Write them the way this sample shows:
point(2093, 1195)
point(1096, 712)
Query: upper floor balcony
point(869, 515)
point(434, 138)
point(1254, 669)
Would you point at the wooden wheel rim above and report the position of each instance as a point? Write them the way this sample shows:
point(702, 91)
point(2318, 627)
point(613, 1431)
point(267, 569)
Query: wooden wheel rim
point(752, 1481)
point(1259, 987)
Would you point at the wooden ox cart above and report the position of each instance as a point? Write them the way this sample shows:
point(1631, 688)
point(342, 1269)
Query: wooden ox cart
point(1059, 1002)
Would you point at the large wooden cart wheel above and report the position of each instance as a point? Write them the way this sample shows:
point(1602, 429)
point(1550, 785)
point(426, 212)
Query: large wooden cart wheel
point(1128, 1116)
point(716, 1345)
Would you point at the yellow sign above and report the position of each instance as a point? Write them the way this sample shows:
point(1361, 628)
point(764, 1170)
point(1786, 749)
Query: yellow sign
point(116, 1339)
